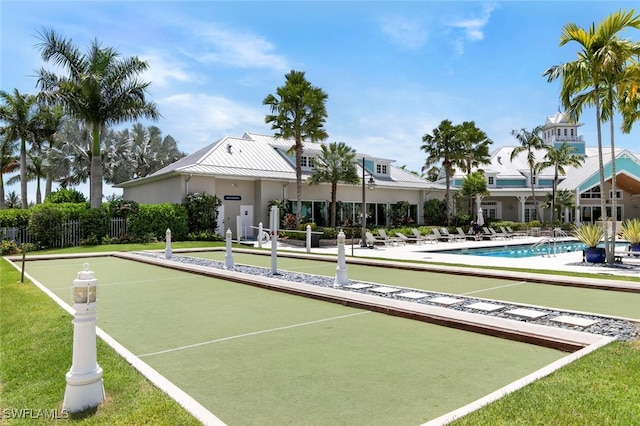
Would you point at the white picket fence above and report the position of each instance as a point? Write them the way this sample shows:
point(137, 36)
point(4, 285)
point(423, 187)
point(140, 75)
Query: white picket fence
point(70, 233)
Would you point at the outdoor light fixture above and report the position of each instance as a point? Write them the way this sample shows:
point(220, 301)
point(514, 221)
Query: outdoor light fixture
point(371, 184)
point(85, 290)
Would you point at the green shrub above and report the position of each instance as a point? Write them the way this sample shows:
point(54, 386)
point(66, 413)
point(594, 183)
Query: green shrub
point(18, 218)
point(46, 225)
point(94, 225)
point(122, 208)
point(153, 220)
point(204, 236)
point(202, 212)
point(435, 212)
point(65, 196)
point(8, 247)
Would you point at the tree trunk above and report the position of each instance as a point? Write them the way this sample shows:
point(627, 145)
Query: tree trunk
point(96, 170)
point(23, 173)
point(298, 151)
point(614, 212)
point(334, 191)
point(603, 193)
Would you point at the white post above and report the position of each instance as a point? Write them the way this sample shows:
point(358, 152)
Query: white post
point(228, 257)
point(341, 269)
point(274, 239)
point(308, 238)
point(260, 235)
point(167, 249)
point(84, 379)
point(238, 227)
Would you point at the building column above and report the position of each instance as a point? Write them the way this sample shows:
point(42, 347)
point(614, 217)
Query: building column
point(522, 199)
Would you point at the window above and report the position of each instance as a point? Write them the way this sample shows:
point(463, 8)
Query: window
point(558, 132)
point(571, 132)
point(618, 195)
point(533, 180)
point(491, 180)
point(565, 132)
point(381, 169)
point(591, 193)
point(307, 162)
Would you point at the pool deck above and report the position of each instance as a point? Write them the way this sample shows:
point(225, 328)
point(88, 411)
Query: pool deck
point(429, 252)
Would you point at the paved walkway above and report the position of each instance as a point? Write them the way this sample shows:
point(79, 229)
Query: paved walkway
point(432, 252)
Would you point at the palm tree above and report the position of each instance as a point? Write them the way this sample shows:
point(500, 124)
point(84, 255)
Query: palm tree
point(445, 146)
point(336, 163)
point(20, 113)
point(12, 201)
point(475, 150)
point(530, 142)
point(585, 79)
point(559, 158)
point(563, 199)
point(298, 112)
point(9, 163)
point(50, 122)
point(100, 88)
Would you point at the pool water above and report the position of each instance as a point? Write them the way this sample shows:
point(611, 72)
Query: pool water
point(521, 250)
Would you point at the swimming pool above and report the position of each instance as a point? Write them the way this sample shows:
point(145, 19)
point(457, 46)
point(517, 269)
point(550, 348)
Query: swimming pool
point(519, 250)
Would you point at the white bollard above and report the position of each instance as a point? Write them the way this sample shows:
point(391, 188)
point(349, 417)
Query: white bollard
point(228, 257)
point(341, 269)
point(167, 249)
point(260, 231)
point(84, 379)
point(274, 219)
point(238, 228)
point(308, 238)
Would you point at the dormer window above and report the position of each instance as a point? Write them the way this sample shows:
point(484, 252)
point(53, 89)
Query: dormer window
point(307, 162)
point(381, 169)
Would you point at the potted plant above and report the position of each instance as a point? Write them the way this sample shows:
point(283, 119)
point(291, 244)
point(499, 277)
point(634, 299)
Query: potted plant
point(591, 234)
point(631, 233)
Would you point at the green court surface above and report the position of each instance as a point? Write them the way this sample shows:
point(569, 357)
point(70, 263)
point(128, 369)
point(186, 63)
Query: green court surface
point(614, 303)
point(254, 356)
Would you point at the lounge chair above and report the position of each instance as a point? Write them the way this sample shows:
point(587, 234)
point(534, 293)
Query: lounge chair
point(466, 237)
point(441, 237)
point(407, 240)
point(373, 241)
point(516, 234)
point(496, 234)
point(505, 232)
point(456, 237)
point(431, 237)
point(487, 234)
point(392, 240)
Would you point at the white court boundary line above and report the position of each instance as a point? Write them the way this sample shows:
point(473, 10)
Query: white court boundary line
point(494, 288)
point(254, 333)
point(181, 397)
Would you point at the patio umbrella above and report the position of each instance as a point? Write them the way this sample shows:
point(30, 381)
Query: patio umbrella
point(480, 220)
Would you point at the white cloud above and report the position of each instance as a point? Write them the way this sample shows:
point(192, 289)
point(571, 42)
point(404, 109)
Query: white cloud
point(472, 27)
point(406, 33)
point(199, 119)
point(163, 70)
point(238, 49)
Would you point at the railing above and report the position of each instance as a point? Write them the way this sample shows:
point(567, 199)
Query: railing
point(69, 231)
point(542, 243)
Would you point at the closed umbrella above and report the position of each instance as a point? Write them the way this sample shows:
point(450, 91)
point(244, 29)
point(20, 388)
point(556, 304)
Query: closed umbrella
point(480, 220)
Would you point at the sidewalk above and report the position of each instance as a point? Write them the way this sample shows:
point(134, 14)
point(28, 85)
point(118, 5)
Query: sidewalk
point(430, 252)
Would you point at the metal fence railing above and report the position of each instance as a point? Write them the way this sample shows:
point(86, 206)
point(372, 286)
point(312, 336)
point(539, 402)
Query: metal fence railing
point(69, 231)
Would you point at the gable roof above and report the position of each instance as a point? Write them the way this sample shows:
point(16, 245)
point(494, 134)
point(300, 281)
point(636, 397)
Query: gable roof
point(255, 156)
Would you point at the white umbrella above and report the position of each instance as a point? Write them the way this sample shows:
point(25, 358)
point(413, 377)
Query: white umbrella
point(480, 220)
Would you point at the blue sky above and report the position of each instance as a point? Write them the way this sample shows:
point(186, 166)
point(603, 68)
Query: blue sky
point(393, 70)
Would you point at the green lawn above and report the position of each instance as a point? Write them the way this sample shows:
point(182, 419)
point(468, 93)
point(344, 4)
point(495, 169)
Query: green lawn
point(599, 389)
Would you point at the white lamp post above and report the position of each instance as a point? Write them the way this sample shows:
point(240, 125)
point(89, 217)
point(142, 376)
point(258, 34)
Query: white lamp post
point(84, 379)
point(228, 257)
point(371, 184)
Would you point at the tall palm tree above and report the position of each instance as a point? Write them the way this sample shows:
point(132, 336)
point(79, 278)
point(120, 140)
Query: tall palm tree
point(100, 88)
point(298, 112)
point(50, 123)
point(445, 146)
point(9, 163)
point(336, 164)
point(585, 79)
point(475, 150)
point(559, 158)
point(20, 115)
point(530, 142)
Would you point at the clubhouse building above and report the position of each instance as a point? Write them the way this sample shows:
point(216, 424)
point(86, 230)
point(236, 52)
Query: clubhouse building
point(247, 173)
point(509, 181)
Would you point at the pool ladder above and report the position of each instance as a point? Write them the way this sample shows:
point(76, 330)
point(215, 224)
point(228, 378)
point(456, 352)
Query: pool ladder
point(545, 242)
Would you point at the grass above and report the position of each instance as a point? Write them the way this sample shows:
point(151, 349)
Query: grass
point(602, 388)
point(35, 354)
